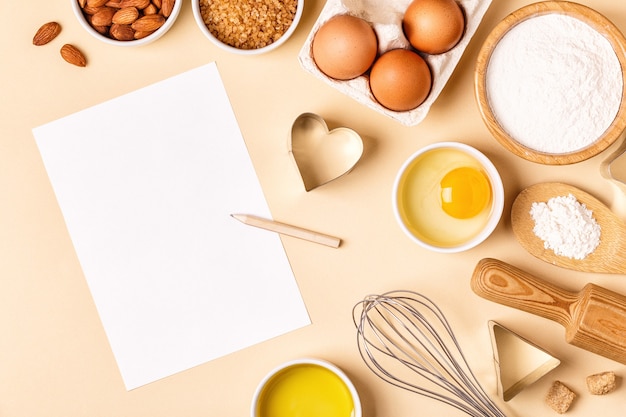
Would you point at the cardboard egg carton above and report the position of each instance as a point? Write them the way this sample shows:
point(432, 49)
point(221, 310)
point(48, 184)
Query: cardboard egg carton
point(386, 19)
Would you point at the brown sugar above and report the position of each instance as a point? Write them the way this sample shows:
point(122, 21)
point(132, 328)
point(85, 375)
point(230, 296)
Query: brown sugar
point(560, 397)
point(602, 383)
point(248, 24)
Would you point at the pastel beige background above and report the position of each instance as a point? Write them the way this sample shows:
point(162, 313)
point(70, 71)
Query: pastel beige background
point(54, 357)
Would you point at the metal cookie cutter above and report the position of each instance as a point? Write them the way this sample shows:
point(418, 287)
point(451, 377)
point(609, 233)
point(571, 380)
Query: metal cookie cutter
point(322, 155)
point(519, 363)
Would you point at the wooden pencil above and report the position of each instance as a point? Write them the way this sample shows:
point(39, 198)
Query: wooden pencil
point(288, 230)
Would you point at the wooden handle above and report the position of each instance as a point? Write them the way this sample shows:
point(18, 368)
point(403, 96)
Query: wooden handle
point(504, 284)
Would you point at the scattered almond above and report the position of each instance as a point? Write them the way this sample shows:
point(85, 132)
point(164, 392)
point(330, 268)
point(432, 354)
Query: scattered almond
point(46, 33)
point(73, 55)
point(142, 17)
point(148, 23)
point(125, 16)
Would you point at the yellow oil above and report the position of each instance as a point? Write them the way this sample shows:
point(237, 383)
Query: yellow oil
point(445, 197)
point(305, 390)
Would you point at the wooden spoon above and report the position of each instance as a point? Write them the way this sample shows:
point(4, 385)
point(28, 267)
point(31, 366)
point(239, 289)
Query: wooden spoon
point(608, 257)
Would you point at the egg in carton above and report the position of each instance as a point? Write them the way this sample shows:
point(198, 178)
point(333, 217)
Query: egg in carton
point(386, 20)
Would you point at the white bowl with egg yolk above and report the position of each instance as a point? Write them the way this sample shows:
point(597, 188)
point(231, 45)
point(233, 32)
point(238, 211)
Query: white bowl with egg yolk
point(448, 197)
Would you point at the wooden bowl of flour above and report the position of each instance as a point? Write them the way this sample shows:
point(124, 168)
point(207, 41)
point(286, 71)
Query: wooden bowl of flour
point(534, 93)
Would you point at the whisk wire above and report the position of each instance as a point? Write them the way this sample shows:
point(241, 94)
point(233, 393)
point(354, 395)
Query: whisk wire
point(430, 373)
point(461, 375)
point(408, 329)
point(426, 343)
point(444, 358)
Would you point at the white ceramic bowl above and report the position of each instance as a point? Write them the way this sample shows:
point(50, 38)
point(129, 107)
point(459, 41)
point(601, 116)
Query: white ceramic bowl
point(195, 4)
point(78, 12)
point(280, 384)
point(439, 231)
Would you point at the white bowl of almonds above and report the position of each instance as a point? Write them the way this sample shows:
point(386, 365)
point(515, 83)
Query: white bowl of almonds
point(247, 27)
point(127, 22)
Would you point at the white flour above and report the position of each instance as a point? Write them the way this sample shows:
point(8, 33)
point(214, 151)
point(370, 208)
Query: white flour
point(566, 226)
point(554, 83)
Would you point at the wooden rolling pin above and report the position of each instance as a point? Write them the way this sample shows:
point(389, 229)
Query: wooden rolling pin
point(594, 318)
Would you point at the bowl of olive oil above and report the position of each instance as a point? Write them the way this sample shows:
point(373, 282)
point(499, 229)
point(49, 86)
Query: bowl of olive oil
point(306, 388)
point(448, 197)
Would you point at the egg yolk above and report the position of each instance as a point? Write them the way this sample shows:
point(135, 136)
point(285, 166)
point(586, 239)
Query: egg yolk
point(465, 192)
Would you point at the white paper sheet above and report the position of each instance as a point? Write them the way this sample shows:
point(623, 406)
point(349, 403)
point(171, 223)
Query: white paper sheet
point(146, 183)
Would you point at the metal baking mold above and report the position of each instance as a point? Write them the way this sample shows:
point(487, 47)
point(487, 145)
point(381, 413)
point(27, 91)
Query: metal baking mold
point(519, 362)
point(322, 155)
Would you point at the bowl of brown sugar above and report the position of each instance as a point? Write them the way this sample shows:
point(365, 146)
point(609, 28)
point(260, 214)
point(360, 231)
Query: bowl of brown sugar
point(247, 27)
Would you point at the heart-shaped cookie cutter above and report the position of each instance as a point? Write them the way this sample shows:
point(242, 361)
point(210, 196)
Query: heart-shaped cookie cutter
point(322, 155)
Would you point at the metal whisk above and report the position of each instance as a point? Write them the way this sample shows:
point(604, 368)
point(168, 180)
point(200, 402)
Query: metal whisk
point(404, 338)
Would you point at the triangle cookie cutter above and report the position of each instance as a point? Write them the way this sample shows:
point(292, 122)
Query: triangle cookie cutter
point(519, 362)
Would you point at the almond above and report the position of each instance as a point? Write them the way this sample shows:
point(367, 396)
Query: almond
point(91, 10)
point(141, 35)
point(46, 33)
point(148, 23)
point(96, 3)
point(104, 17)
point(140, 4)
point(122, 32)
point(103, 30)
point(82, 3)
point(151, 9)
point(157, 3)
point(73, 55)
point(117, 4)
point(125, 16)
point(166, 7)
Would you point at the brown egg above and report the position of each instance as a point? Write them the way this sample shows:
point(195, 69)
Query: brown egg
point(345, 47)
point(400, 80)
point(433, 26)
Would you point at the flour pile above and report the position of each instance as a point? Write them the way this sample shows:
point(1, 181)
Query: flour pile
point(566, 226)
point(554, 83)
